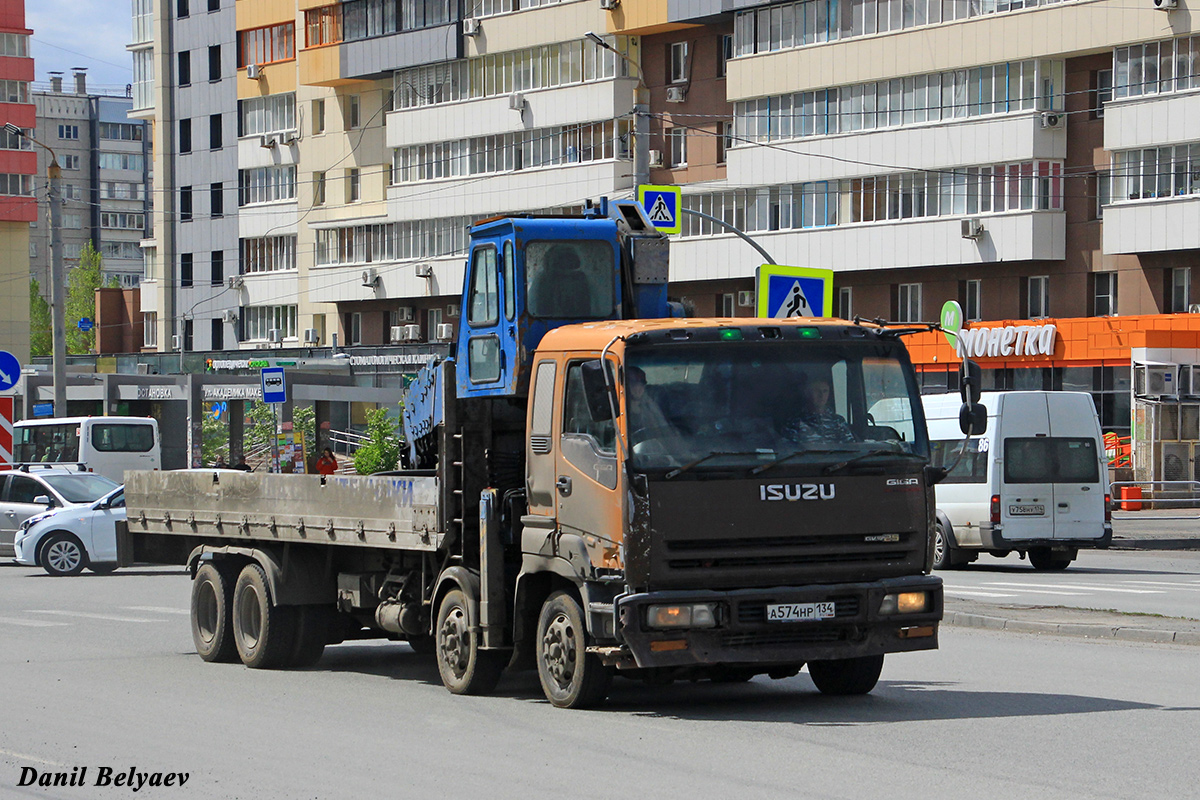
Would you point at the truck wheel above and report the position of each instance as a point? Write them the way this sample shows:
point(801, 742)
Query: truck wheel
point(264, 633)
point(312, 634)
point(844, 676)
point(62, 555)
point(571, 678)
point(1046, 560)
point(465, 669)
point(212, 609)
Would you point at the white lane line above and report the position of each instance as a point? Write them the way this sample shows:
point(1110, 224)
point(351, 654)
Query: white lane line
point(1193, 587)
point(970, 593)
point(85, 615)
point(32, 623)
point(1038, 587)
point(23, 757)
point(157, 609)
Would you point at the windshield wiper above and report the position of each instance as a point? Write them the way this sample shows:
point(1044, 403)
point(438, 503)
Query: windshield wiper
point(680, 470)
point(789, 456)
point(870, 454)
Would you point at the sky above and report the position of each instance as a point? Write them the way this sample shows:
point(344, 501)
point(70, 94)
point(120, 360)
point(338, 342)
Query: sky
point(82, 33)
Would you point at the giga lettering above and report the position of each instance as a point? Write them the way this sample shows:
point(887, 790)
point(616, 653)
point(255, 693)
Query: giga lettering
point(796, 491)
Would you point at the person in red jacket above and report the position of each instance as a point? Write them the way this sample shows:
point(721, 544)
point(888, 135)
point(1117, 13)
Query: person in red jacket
point(327, 464)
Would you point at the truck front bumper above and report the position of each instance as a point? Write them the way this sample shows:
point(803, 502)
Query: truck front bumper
point(744, 636)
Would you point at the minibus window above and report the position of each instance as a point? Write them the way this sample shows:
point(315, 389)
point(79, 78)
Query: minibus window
point(1050, 460)
point(117, 438)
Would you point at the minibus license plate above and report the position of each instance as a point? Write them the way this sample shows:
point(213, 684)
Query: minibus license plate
point(800, 612)
point(1026, 511)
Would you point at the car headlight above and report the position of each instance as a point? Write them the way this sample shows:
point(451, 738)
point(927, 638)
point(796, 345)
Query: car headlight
point(684, 615)
point(34, 520)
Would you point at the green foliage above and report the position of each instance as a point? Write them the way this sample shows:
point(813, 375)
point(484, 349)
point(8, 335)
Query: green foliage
point(260, 433)
point(41, 340)
point(382, 450)
point(304, 422)
point(82, 283)
point(214, 439)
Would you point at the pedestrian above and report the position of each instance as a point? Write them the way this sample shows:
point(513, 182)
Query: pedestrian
point(327, 463)
point(220, 463)
point(242, 465)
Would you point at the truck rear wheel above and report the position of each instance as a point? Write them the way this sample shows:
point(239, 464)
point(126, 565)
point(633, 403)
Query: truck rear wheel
point(570, 676)
point(465, 669)
point(844, 676)
point(212, 614)
point(312, 634)
point(264, 633)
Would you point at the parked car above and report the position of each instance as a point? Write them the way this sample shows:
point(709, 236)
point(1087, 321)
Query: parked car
point(35, 490)
point(66, 541)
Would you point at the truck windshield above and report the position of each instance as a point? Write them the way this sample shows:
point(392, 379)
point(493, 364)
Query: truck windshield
point(760, 406)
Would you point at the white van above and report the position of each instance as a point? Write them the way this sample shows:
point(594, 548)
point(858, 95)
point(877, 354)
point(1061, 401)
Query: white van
point(1035, 483)
point(105, 445)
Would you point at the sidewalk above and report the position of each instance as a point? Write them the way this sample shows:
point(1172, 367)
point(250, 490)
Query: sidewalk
point(1061, 621)
point(1157, 529)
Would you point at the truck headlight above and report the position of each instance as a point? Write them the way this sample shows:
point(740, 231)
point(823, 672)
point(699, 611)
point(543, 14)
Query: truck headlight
point(904, 603)
point(685, 615)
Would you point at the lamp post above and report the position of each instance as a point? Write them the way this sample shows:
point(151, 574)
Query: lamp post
point(57, 309)
point(641, 111)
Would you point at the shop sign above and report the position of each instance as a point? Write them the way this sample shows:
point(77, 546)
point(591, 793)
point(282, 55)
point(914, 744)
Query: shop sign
point(1008, 341)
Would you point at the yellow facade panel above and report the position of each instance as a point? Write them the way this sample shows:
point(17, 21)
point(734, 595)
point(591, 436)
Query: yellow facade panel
point(260, 13)
point(273, 79)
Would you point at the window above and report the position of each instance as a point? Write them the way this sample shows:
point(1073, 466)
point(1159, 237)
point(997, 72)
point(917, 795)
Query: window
point(214, 62)
point(1038, 302)
point(268, 254)
point(185, 270)
point(1051, 460)
point(150, 329)
point(724, 53)
point(274, 113)
point(116, 438)
point(322, 26)
point(353, 185)
point(72, 220)
point(185, 68)
point(598, 435)
point(677, 140)
point(433, 318)
point(266, 184)
point(846, 302)
point(1104, 92)
point(69, 162)
point(185, 204)
point(267, 45)
point(972, 300)
point(214, 132)
point(352, 120)
point(121, 131)
point(14, 44)
point(354, 329)
point(971, 468)
point(214, 5)
point(728, 304)
point(68, 131)
point(1105, 299)
point(181, 8)
point(259, 321)
point(908, 307)
point(217, 265)
point(122, 220)
point(13, 141)
point(1180, 289)
point(185, 136)
point(318, 116)
point(677, 62)
point(484, 302)
point(724, 140)
point(1170, 65)
point(318, 188)
point(216, 196)
point(569, 280)
point(216, 334)
point(127, 161)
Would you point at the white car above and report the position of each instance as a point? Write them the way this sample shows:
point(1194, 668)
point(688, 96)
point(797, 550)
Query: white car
point(63, 542)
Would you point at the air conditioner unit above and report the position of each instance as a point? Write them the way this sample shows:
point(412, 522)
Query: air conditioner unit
point(656, 158)
point(235, 281)
point(229, 315)
point(370, 277)
point(311, 336)
point(147, 369)
point(453, 310)
point(412, 333)
point(275, 335)
point(404, 314)
point(1054, 119)
point(471, 27)
point(972, 228)
point(253, 72)
point(445, 332)
point(1166, 5)
point(745, 299)
point(424, 271)
point(268, 142)
point(609, 5)
point(676, 94)
point(516, 101)
point(397, 333)
point(176, 341)
point(1155, 380)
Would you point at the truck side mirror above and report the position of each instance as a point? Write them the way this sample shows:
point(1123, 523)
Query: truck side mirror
point(598, 392)
point(970, 382)
point(972, 419)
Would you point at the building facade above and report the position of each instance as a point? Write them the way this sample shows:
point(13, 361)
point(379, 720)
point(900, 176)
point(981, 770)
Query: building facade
point(18, 166)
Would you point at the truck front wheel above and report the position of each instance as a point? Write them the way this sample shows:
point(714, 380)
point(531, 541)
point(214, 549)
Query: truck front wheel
point(212, 614)
point(845, 676)
point(465, 669)
point(571, 678)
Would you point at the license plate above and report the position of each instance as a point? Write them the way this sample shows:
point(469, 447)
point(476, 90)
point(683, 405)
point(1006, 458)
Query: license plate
point(1026, 511)
point(800, 612)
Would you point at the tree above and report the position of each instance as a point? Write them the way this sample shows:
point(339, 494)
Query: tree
point(304, 423)
point(214, 438)
point(382, 450)
point(82, 284)
point(41, 340)
point(260, 433)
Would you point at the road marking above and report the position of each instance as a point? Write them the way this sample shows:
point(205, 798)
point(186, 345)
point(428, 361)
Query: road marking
point(1169, 584)
point(970, 593)
point(157, 609)
point(85, 615)
point(32, 623)
point(1040, 587)
point(23, 757)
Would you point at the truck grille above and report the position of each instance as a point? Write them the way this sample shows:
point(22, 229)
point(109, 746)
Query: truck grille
point(783, 551)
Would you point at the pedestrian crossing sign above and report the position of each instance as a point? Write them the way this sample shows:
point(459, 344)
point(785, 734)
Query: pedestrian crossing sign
point(793, 292)
point(662, 204)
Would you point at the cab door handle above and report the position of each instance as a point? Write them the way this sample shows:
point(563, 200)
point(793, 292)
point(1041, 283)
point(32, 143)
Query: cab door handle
point(564, 485)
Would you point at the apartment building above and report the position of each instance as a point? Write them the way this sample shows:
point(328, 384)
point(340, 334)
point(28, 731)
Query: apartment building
point(18, 166)
point(104, 158)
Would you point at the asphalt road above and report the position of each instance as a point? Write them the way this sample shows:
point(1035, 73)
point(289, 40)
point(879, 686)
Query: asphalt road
point(1142, 582)
point(100, 672)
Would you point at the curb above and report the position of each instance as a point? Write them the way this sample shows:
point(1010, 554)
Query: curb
point(1155, 544)
point(1090, 631)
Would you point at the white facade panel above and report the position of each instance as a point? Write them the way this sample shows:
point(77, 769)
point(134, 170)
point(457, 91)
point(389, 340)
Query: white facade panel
point(994, 140)
point(270, 289)
point(571, 105)
point(1152, 120)
point(276, 219)
point(252, 153)
point(397, 280)
point(1152, 226)
point(1024, 236)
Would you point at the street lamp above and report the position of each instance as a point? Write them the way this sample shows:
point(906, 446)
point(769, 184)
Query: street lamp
point(641, 111)
point(57, 309)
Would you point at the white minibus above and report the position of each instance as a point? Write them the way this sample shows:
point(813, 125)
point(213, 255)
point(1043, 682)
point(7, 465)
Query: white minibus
point(105, 445)
point(1036, 483)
